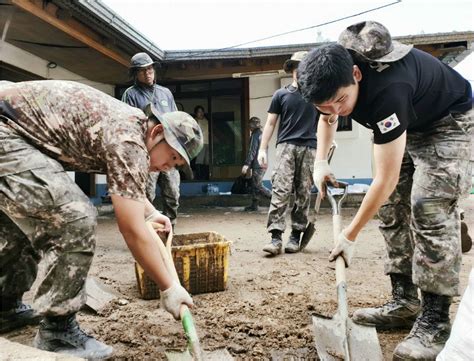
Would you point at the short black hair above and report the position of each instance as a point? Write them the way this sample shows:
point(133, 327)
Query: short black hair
point(198, 107)
point(324, 71)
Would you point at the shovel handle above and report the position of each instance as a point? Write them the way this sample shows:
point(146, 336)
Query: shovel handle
point(185, 314)
point(340, 264)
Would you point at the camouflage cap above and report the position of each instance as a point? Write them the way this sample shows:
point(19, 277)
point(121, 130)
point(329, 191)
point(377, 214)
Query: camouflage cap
point(373, 42)
point(295, 59)
point(182, 133)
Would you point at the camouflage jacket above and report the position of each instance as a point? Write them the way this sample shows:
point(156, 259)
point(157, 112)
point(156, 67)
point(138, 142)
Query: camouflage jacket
point(84, 129)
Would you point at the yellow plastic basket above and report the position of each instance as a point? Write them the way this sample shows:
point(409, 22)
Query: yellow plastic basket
point(202, 263)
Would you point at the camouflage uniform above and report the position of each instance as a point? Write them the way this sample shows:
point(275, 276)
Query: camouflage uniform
point(43, 213)
point(420, 221)
point(169, 185)
point(258, 189)
point(292, 173)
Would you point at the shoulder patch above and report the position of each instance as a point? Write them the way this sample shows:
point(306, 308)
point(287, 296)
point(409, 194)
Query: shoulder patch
point(388, 124)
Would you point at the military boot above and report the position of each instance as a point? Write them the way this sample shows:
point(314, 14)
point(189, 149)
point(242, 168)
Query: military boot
point(400, 312)
point(274, 247)
point(15, 314)
point(293, 244)
point(430, 331)
point(62, 334)
point(253, 207)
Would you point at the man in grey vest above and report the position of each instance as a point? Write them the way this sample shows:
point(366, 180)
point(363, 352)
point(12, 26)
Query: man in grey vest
point(145, 91)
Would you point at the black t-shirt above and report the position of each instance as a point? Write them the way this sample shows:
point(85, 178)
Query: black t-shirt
point(298, 119)
point(409, 94)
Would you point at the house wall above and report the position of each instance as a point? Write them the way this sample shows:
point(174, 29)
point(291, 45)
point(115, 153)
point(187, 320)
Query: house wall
point(352, 160)
point(24, 60)
point(33, 64)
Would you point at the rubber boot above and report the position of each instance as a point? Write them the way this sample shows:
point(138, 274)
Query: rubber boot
point(430, 331)
point(253, 207)
point(15, 314)
point(400, 312)
point(293, 245)
point(62, 334)
point(274, 247)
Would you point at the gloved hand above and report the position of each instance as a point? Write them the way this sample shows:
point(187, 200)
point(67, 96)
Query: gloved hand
point(245, 169)
point(322, 173)
point(343, 247)
point(158, 217)
point(262, 158)
point(173, 297)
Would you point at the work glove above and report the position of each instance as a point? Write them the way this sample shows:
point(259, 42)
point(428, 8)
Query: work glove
point(262, 158)
point(173, 297)
point(158, 217)
point(245, 169)
point(344, 248)
point(322, 173)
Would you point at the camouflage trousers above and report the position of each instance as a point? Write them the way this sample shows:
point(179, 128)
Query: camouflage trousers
point(258, 189)
point(43, 216)
point(420, 220)
point(292, 174)
point(169, 185)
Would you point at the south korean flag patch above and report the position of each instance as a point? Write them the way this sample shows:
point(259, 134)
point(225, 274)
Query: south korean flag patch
point(388, 124)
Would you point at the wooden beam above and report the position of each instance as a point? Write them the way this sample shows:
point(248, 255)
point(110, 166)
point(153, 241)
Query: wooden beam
point(36, 9)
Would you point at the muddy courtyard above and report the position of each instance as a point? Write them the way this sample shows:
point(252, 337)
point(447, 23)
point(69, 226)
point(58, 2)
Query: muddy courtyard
point(266, 311)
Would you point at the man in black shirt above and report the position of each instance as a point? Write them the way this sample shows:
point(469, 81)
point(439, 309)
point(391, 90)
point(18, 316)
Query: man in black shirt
point(251, 165)
point(419, 110)
point(296, 144)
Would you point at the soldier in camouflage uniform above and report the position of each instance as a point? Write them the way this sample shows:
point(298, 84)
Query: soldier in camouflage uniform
point(296, 146)
point(251, 165)
point(143, 92)
point(45, 128)
point(420, 112)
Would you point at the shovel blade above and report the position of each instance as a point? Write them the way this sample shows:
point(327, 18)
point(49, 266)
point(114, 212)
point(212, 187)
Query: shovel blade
point(307, 235)
point(331, 336)
point(363, 342)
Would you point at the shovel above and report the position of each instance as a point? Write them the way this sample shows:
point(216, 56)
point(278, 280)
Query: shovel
point(310, 228)
point(338, 338)
point(194, 351)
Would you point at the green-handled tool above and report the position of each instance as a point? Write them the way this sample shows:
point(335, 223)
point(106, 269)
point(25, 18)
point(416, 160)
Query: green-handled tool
point(194, 351)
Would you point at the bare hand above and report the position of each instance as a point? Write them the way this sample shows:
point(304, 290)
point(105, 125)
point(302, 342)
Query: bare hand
point(262, 158)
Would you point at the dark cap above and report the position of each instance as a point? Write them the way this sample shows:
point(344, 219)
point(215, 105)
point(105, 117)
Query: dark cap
point(141, 60)
point(293, 62)
point(182, 133)
point(373, 42)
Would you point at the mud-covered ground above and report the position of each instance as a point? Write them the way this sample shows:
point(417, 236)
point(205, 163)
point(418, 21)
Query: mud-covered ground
point(266, 311)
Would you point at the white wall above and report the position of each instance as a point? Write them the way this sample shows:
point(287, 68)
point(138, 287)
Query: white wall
point(352, 159)
point(24, 60)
